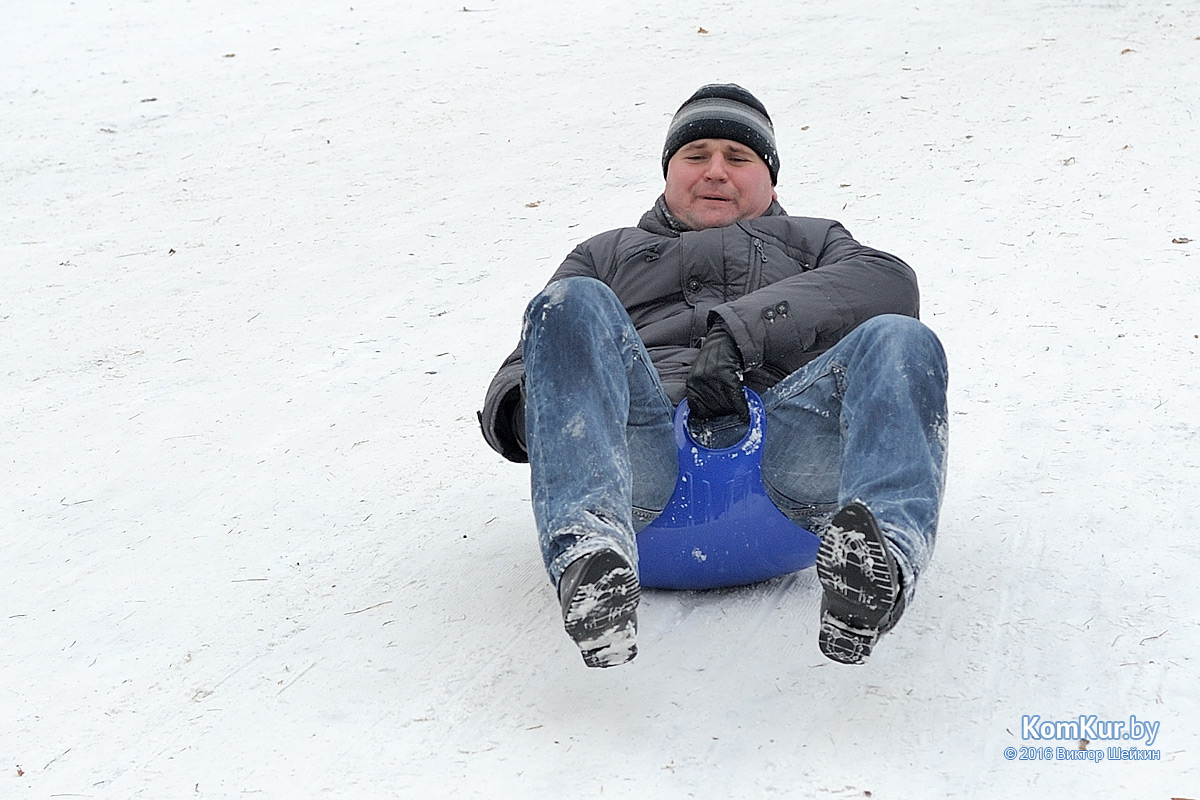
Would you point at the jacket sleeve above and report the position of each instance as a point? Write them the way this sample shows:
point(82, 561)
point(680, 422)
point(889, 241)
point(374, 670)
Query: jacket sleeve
point(786, 324)
point(503, 400)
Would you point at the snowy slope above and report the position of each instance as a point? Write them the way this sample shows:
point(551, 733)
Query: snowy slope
point(259, 260)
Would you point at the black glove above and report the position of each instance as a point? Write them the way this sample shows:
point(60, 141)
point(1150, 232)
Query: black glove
point(510, 419)
point(714, 386)
point(517, 421)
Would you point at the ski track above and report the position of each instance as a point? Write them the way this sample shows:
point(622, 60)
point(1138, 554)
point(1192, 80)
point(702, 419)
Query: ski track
point(260, 261)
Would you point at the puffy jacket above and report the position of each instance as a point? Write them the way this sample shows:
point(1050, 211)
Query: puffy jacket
point(787, 288)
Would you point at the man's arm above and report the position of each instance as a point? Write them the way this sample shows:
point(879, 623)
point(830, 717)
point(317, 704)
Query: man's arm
point(786, 324)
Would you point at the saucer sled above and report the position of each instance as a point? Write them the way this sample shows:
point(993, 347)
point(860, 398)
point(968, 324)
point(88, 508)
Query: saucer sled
point(720, 528)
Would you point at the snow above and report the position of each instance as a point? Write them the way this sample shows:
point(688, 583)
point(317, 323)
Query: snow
point(260, 259)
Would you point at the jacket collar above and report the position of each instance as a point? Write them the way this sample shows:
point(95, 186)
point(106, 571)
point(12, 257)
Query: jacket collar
point(661, 221)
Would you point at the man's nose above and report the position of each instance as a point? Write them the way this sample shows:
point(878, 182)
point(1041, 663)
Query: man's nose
point(716, 168)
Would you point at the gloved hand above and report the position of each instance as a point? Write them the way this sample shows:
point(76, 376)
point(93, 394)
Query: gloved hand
point(714, 386)
point(517, 418)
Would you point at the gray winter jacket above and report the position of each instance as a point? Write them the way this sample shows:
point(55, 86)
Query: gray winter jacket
point(787, 288)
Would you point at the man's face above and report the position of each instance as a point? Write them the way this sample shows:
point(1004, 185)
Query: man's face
point(712, 183)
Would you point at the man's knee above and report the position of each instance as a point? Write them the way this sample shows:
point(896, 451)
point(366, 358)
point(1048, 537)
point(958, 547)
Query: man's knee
point(903, 334)
point(571, 295)
point(572, 306)
point(895, 326)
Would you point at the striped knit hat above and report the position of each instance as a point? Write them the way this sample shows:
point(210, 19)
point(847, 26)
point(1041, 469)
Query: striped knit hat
point(723, 111)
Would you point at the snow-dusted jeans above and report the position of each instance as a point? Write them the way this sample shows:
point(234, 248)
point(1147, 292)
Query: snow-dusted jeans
point(865, 421)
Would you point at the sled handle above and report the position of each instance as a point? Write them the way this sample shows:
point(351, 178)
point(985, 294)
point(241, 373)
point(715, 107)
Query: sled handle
point(749, 444)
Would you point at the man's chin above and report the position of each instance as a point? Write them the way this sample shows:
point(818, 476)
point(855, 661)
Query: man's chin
point(699, 222)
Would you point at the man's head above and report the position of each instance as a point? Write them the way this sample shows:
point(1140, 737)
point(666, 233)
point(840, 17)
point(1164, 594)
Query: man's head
point(720, 159)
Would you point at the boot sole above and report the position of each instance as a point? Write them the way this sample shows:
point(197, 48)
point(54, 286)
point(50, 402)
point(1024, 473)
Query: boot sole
point(860, 583)
point(601, 614)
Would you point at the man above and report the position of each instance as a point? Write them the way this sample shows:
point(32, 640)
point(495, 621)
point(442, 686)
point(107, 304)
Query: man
point(715, 289)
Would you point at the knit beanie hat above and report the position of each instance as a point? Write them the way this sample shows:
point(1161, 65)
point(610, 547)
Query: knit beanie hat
point(723, 111)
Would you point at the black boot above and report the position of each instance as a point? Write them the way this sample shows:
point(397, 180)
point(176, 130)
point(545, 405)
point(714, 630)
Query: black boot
point(599, 594)
point(863, 597)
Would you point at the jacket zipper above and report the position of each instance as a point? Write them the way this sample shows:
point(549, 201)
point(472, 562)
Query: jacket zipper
point(758, 257)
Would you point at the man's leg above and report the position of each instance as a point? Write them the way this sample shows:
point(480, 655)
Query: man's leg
point(592, 399)
point(862, 431)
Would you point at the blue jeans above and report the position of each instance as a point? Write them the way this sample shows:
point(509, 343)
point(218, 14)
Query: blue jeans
point(864, 421)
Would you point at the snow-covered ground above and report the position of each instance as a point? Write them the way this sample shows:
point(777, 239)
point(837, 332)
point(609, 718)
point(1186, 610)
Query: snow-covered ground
point(260, 260)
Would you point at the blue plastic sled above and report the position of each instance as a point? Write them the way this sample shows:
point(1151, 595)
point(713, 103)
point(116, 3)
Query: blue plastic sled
point(719, 527)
